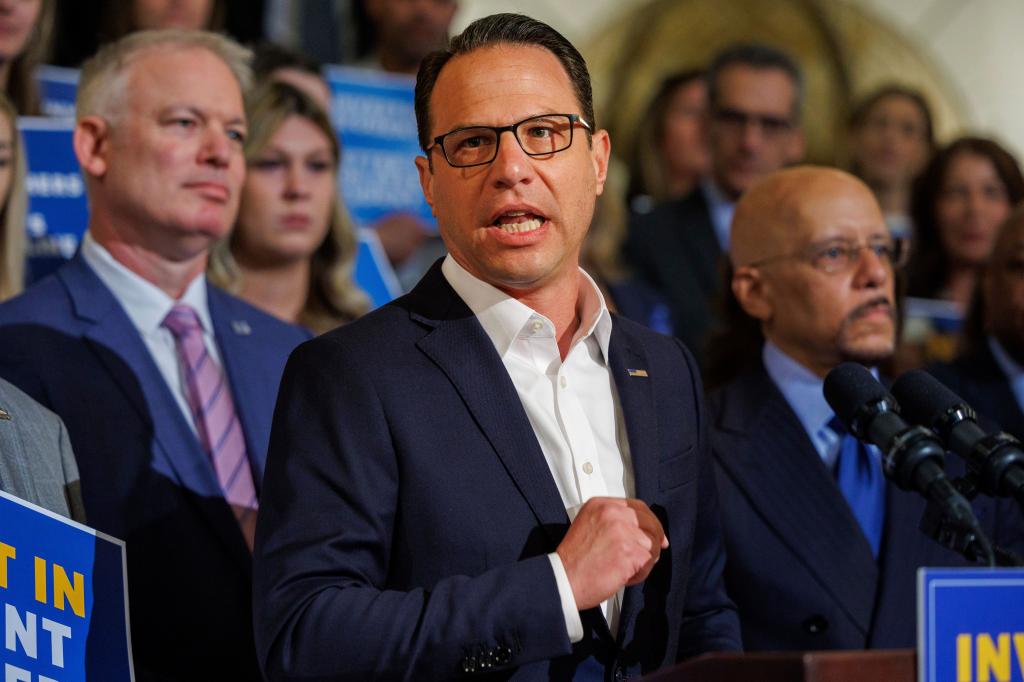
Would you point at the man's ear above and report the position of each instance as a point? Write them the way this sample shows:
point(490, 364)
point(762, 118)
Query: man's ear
point(426, 180)
point(601, 151)
point(753, 293)
point(91, 141)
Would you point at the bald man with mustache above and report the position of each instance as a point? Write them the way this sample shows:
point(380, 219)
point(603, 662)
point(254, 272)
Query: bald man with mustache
point(821, 550)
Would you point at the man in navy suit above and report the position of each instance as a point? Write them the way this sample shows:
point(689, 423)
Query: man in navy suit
point(493, 474)
point(822, 551)
point(166, 384)
point(754, 97)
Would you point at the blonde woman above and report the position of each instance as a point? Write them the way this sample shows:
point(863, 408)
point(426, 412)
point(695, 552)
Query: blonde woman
point(24, 44)
point(292, 252)
point(14, 203)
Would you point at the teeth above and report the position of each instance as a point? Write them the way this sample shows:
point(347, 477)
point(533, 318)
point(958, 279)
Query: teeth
point(525, 226)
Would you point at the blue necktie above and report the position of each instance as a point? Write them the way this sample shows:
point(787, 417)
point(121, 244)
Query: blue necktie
point(859, 476)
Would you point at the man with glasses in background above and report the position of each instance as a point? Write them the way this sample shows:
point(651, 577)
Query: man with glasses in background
point(493, 474)
point(755, 94)
point(822, 550)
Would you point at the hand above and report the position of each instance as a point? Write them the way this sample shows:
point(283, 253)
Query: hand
point(612, 543)
point(400, 234)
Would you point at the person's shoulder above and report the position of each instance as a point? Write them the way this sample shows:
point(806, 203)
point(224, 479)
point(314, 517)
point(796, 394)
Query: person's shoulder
point(23, 410)
point(43, 301)
point(248, 319)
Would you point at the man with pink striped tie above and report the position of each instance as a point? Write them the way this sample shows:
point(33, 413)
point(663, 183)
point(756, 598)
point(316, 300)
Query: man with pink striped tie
point(166, 383)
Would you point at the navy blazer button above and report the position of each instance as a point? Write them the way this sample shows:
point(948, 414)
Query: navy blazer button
point(815, 625)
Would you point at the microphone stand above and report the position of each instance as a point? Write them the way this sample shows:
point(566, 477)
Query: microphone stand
point(960, 535)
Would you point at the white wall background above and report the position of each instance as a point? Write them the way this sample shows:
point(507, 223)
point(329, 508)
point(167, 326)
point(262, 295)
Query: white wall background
point(978, 44)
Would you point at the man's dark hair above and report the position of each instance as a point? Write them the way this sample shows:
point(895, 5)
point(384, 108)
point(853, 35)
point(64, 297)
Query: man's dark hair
point(503, 29)
point(756, 56)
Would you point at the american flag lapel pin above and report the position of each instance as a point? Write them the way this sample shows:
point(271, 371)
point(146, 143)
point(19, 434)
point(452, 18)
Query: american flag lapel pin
point(636, 372)
point(4, 414)
point(241, 327)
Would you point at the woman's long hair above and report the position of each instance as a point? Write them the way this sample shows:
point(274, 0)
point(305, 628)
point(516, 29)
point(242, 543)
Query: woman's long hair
point(333, 297)
point(12, 215)
point(21, 81)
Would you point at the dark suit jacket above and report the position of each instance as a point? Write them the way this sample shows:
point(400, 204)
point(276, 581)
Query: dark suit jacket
point(408, 510)
point(982, 383)
point(69, 344)
point(799, 568)
point(675, 249)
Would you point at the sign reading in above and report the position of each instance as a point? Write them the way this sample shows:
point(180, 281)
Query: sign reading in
point(970, 625)
point(62, 591)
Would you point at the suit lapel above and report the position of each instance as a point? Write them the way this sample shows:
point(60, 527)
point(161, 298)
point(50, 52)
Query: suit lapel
point(637, 401)
point(239, 343)
point(763, 447)
point(122, 352)
point(462, 350)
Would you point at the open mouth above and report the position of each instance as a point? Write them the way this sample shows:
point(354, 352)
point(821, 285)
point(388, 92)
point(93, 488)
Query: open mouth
point(518, 222)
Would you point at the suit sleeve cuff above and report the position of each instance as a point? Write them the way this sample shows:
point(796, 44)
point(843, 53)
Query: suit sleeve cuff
point(573, 624)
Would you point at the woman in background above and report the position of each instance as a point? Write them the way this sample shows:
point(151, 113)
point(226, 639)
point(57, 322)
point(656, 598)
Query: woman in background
point(23, 46)
point(891, 140)
point(964, 194)
point(670, 154)
point(15, 203)
point(292, 251)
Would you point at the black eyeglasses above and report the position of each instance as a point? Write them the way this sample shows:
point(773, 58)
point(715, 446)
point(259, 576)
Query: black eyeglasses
point(839, 255)
point(739, 120)
point(542, 135)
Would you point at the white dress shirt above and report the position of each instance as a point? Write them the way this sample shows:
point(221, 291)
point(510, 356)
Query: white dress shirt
point(147, 305)
point(572, 405)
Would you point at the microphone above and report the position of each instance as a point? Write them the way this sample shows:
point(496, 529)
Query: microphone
point(912, 456)
point(996, 459)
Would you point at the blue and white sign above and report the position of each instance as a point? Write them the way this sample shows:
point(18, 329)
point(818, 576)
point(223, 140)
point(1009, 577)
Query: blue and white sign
point(374, 274)
point(65, 605)
point(970, 625)
point(374, 117)
point(58, 88)
point(58, 211)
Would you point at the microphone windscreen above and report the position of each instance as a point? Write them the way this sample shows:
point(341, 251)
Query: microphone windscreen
point(850, 386)
point(923, 398)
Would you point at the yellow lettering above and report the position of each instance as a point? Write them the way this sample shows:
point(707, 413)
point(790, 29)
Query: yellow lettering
point(1018, 645)
point(963, 658)
point(994, 659)
point(40, 569)
point(6, 552)
point(62, 589)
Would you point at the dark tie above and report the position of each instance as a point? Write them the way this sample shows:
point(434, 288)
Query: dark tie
point(220, 432)
point(859, 476)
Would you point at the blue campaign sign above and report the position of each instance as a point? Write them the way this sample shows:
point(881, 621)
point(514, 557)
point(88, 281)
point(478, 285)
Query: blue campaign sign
point(58, 211)
point(58, 88)
point(374, 117)
point(970, 625)
point(373, 271)
point(65, 605)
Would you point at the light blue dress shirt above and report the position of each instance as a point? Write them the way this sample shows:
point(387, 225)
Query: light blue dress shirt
point(721, 210)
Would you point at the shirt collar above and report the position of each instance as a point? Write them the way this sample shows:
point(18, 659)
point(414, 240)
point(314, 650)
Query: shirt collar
point(800, 386)
point(145, 303)
point(503, 317)
point(721, 210)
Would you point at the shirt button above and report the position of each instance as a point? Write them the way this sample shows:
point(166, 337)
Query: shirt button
point(537, 326)
point(562, 382)
point(588, 468)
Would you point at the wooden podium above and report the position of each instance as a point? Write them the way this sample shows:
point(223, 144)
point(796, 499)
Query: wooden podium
point(898, 665)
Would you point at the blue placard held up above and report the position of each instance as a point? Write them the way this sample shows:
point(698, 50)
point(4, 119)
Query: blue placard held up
point(373, 114)
point(65, 605)
point(58, 88)
point(970, 625)
point(58, 211)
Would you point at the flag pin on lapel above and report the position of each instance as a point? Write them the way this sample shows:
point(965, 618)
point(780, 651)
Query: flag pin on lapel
point(241, 327)
point(636, 372)
point(4, 414)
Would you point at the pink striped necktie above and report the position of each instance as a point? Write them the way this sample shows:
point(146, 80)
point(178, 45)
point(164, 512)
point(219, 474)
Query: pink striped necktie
point(220, 432)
